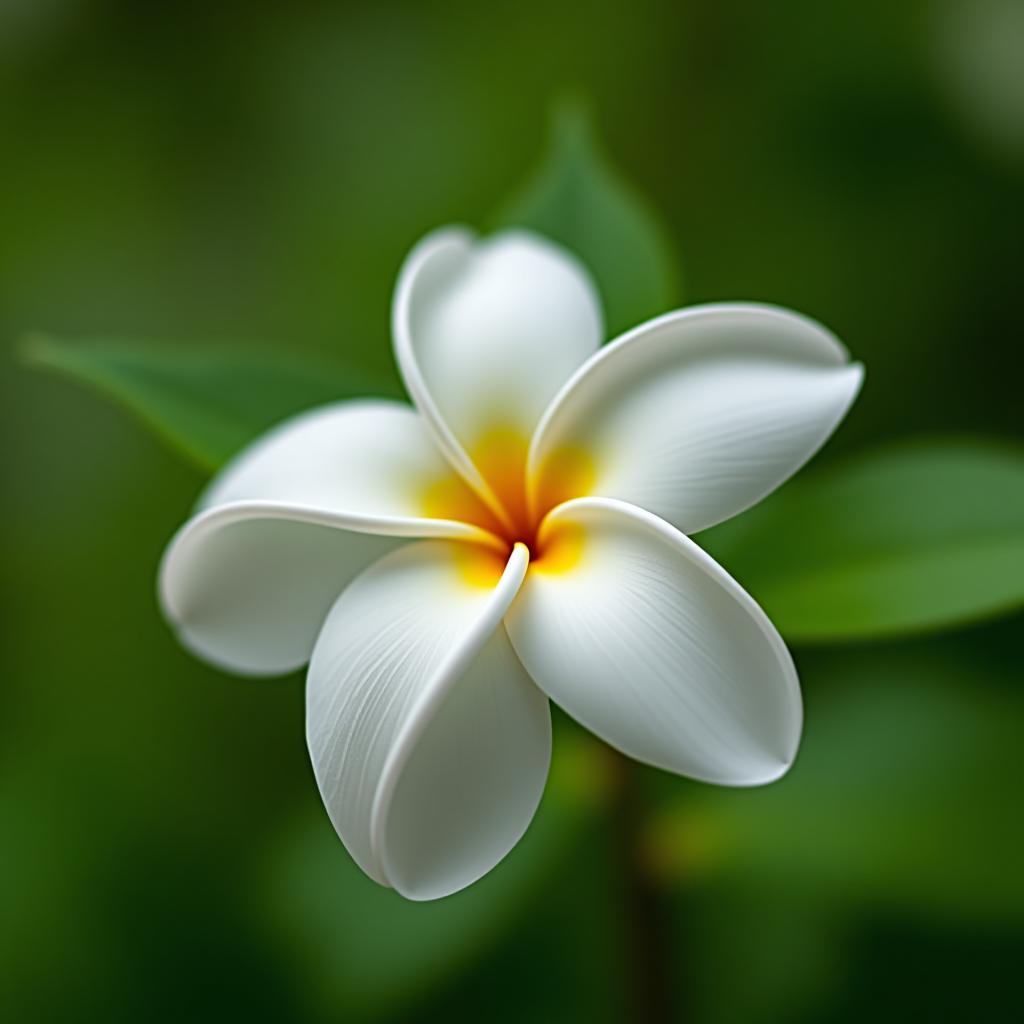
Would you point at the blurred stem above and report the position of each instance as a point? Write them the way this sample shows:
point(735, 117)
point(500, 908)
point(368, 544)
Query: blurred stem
point(646, 913)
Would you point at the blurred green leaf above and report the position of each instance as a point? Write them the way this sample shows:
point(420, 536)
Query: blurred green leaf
point(363, 947)
point(207, 403)
point(905, 794)
point(911, 537)
point(578, 198)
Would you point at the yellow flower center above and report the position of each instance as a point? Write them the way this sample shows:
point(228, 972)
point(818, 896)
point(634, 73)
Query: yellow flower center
point(500, 456)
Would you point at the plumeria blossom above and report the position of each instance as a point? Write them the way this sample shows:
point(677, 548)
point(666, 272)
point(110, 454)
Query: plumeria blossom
point(519, 534)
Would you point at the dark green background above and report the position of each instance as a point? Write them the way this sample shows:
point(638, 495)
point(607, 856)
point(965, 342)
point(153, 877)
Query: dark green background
point(253, 175)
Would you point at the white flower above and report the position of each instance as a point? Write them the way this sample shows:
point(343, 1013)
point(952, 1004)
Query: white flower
point(518, 535)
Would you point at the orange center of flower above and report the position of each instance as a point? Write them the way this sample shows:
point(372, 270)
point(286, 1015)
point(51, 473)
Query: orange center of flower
point(500, 456)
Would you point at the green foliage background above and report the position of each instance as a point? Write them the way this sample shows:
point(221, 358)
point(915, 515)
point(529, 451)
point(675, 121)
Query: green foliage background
point(228, 180)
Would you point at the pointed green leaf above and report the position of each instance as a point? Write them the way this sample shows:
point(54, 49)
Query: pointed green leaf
point(207, 403)
point(913, 537)
point(577, 198)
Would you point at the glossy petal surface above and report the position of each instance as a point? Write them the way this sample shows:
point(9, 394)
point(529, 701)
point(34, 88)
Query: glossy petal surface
point(486, 332)
point(696, 415)
point(429, 741)
point(644, 639)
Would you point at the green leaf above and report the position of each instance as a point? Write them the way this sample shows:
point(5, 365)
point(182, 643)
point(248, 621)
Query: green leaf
point(207, 403)
point(912, 537)
point(361, 947)
point(577, 198)
point(905, 793)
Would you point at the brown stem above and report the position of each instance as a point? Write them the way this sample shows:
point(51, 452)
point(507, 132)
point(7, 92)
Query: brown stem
point(648, 925)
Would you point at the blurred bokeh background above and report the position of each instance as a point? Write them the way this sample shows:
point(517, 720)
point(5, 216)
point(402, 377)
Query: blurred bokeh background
point(252, 175)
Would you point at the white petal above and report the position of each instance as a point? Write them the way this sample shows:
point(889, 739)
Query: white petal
point(369, 458)
point(293, 518)
point(486, 332)
point(642, 637)
point(429, 742)
point(695, 415)
point(247, 586)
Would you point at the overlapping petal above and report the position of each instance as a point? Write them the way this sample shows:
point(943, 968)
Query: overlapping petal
point(695, 415)
point(248, 581)
point(644, 639)
point(371, 458)
point(486, 332)
point(429, 742)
